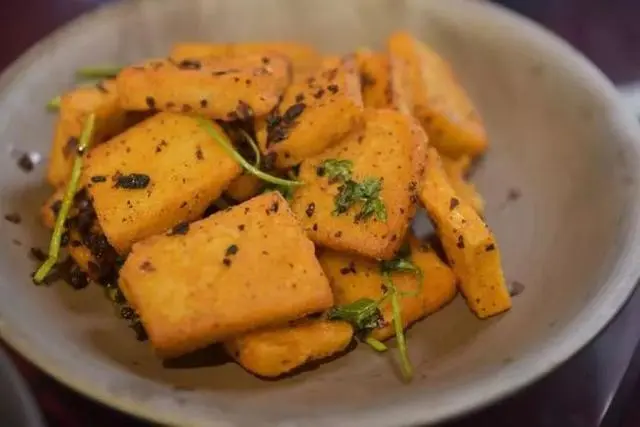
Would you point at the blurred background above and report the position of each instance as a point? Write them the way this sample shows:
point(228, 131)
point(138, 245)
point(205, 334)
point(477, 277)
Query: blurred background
point(598, 387)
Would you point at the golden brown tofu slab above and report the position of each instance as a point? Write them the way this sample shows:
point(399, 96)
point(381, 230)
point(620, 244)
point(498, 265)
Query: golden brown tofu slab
point(390, 150)
point(159, 173)
point(456, 170)
point(241, 269)
point(276, 351)
point(353, 277)
point(425, 84)
point(314, 114)
point(220, 88)
point(302, 56)
point(75, 106)
point(375, 79)
point(470, 246)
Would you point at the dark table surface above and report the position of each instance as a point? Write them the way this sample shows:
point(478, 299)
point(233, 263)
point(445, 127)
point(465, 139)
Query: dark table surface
point(597, 387)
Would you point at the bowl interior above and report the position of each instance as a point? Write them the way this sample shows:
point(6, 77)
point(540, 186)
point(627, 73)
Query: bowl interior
point(560, 182)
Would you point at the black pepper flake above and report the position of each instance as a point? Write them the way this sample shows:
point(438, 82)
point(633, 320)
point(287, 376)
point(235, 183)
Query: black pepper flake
point(345, 270)
point(25, 163)
point(70, 147)
point(247, 82)
point(453, 203)
point(203, 103)
point(333, 89)
point(147, 267)
point(78, 278)
point(186, 108)
point(231, 250)
point(413, 199)
point(199, 154)
point(132, 181)
point(226, 262)
point(319, 94)
point(13, 218)
point(300, 97)
point(412, 186)
point(293, 112)
point(162, 144)
point(266, 60)
point(151, 102)
point(189, 64)
point(244, 110)
point(127, 313)
point(310, 209)
point(180, 229)
point(241, 227)
point(338, 234)
point(315, 227)
point(460, 242)
point(98, 178)
point(274, 207)
point(490, 247)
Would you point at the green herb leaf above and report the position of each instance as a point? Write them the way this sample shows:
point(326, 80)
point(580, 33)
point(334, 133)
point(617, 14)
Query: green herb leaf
point(98, 72)
point(378, 346)
point(336, 170)
point(405, 363)
point(54, 103)
point(400, 265)
point(363, 314)
point(72, 186)
point(224, 142)
point(345, 198)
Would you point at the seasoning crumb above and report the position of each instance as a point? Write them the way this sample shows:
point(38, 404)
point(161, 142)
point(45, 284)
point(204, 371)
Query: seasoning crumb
point(300, 97)
point(180, 229)
point(310, 209)
point(151, 102)
point(490, 247)
point(132, 181)
point(333, 88)
point(226, 262)
point(460, 243)
point(318, 94)
point(241, 227)
point(147, 267)
point(338, 234)
point(189, 64)
point(231, 250)
point(199, 153)
point(453, 203)
point(274, 207)
point(315, 227)
point(203, 103)
point(13, 218)
point(98, 178)
point(513, 194)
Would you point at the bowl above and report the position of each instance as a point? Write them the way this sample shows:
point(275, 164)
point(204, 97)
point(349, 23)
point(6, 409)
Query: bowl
point(561, 183)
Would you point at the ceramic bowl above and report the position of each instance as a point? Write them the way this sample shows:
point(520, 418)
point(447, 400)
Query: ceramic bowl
point(560, 179)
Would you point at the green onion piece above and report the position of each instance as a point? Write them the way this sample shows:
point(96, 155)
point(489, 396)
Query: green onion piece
point(72, 186)
point(54, 103)
point(98, 72)
point(226, 145)
point(378, 346)
point(253, 145)
point(405, 363)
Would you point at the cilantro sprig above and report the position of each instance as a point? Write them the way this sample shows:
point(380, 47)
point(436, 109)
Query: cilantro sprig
point(365, 315)
point(366, 194)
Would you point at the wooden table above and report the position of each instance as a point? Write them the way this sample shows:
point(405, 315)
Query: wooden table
point(593, 389)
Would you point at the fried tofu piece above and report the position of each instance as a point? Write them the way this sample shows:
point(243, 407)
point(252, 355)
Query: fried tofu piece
point(184, 169)
point(244, 187)
point(238, 270)
point(425, 84)
point(456, 170)
point(375, 79)
point(313, 115)
point(470, 246)
point(220, 88)
point(353, 277)
point(390, 148)
point(302, 56)
point(279, 350)
point(75, 107)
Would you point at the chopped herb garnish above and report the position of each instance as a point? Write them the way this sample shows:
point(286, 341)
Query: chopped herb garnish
point(363, 314)
point(98, 72)
point(396, 310)
point(133, 181)
point(59, 228)
point(375, 344)
point(350, 192)
point(223, 141)
point(254, 146)
point(54, 103)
